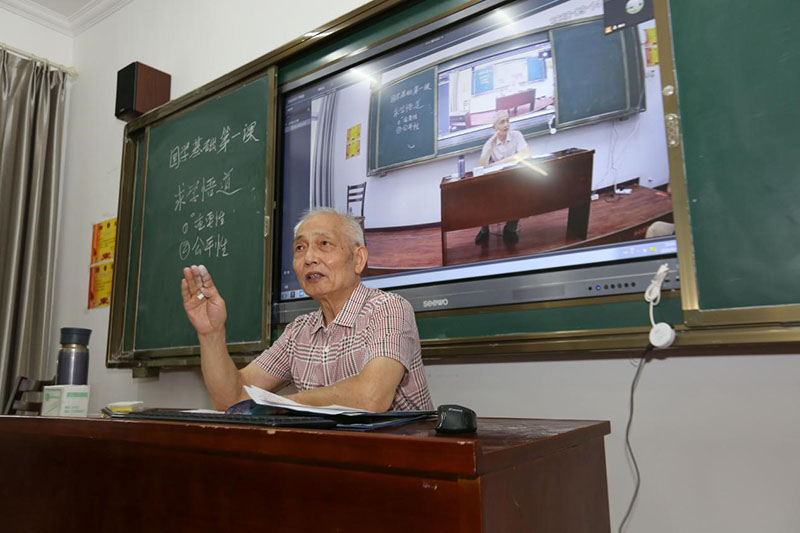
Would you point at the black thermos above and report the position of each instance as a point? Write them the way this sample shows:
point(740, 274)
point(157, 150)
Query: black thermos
point(73, 358)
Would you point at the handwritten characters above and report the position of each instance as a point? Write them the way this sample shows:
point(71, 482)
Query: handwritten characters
point(212, 246)
point(411, 91)
point(202, 230)
point(202, 189)
point(407, 113)
point(198, 146)
point(201, 222)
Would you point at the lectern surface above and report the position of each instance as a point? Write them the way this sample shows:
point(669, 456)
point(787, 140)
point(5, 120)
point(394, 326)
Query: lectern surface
point(512, 475)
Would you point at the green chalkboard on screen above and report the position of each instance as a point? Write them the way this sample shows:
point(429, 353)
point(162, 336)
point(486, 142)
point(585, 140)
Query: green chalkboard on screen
point(204, 203)
point(737, 67)
point(596, 74)
point(406, 115)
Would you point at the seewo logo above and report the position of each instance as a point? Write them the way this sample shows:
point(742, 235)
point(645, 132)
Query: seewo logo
point(441, 302)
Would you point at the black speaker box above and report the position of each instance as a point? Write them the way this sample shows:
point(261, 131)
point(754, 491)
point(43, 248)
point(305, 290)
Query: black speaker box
point(140, 88)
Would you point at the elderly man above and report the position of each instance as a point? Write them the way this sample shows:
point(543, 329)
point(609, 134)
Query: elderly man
point(503, 146)
point(360, 348)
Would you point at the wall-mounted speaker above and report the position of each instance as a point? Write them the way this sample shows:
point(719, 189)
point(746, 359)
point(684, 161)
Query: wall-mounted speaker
point(140, 88)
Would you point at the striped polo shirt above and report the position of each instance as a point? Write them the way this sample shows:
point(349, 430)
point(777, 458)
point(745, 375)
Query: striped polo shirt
point(371, 324)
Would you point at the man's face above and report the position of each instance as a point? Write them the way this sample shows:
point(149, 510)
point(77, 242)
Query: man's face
point(325, 262)
point(502, 126)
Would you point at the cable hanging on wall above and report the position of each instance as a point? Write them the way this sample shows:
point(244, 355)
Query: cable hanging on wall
point(661, 336)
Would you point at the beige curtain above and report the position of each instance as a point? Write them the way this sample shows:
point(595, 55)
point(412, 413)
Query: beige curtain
point(32, 102)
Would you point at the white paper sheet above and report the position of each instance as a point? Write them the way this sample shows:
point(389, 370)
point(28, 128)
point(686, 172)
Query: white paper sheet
point(263, 397)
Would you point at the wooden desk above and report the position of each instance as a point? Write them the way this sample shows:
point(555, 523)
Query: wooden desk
point(110, 475)
point(511, 102)
point(531, 188)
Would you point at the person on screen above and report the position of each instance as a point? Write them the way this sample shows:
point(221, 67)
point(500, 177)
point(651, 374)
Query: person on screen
point(503, 146)
point(359, 349)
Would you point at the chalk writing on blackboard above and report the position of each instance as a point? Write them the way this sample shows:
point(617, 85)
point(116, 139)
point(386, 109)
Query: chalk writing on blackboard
point(211, 145)
point(202, 186)
point(202, 189)
point(195, 240)
point(406, 115)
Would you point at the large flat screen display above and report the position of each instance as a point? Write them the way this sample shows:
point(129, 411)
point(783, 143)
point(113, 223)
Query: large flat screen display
point(516, 155)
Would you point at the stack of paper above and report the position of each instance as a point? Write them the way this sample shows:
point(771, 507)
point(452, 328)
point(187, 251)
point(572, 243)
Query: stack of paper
point(262, 397)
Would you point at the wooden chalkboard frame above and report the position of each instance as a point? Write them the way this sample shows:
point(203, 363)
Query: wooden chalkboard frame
point(440, 331)
point(436, 340)
point(694, 315)
point(366, 29)
point(122, 351)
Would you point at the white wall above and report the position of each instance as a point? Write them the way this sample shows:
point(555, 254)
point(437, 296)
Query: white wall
point(716, 437)
point(28, 36)
point(349, 111)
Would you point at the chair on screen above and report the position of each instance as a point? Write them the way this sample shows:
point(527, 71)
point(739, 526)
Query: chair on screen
point(355, 201)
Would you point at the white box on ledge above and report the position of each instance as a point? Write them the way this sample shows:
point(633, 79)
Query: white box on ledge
point(66, 400)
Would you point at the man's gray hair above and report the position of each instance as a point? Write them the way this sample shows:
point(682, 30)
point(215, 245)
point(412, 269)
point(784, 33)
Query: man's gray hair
point(500, 114)
point(350, 225)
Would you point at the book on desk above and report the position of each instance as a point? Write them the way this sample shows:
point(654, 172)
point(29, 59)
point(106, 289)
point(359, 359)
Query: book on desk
point(248, 412)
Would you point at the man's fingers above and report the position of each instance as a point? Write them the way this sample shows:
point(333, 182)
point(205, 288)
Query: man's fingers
point(189, 289)
point(192, 285)
point(189, 277)
point(203, 284)
point(185, 290)
point(208, 283)
point(198, 285)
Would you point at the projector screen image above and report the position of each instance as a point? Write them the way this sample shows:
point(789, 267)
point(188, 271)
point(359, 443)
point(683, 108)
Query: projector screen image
point(522, 141)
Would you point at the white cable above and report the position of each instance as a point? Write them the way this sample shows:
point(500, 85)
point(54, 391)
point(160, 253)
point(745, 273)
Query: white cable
point(661, 335)
point(653, 292)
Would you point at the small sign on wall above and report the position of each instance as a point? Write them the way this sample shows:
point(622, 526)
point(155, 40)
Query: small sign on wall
point(353, 141)
point(101, 266)
point(100, 277)
point(104, 235)
point(651, 47)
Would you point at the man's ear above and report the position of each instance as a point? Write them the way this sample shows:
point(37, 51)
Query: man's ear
point(360, 255)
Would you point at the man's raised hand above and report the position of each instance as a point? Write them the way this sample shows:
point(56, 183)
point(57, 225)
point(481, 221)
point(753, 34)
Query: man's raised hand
point(203, 304)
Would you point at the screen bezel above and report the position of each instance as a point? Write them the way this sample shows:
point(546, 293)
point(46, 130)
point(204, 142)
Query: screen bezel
point(615, 277)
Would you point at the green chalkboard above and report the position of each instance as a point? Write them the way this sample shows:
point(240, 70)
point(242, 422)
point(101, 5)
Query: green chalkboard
point(406, 114)
point(204, 203)
point(738, 69)
point(133, 243)
point(622, 314)
point(597, 75)
point(629, 315)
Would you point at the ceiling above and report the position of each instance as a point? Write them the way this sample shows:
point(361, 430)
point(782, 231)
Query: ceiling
point(70, 17)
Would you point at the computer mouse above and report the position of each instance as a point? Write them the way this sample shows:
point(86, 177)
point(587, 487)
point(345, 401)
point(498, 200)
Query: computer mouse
point(453, 419)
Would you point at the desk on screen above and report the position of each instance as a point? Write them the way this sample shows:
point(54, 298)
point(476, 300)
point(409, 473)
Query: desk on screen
point(533, 187)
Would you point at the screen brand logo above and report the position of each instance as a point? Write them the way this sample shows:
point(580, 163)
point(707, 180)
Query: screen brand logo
point(442, 302)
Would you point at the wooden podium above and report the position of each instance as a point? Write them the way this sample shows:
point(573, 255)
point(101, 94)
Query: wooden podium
point(533, 187)
point(111, 475)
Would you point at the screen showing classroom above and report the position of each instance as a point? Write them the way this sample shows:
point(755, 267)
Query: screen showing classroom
point(396, 141)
